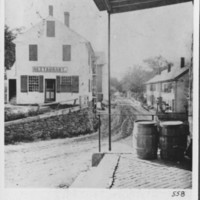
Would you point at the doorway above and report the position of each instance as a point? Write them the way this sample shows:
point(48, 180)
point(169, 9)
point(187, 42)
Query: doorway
point(12, 89)
point(50, 94)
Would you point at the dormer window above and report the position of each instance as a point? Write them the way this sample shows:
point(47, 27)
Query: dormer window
point(50, 28)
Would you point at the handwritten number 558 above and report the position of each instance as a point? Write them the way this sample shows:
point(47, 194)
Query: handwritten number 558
point(178, 193)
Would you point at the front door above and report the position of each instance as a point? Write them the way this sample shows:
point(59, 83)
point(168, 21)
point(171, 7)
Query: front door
point(50, 94)
point(12, 89)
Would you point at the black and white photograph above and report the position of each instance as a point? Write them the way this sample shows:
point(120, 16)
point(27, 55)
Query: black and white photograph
point(100, 94)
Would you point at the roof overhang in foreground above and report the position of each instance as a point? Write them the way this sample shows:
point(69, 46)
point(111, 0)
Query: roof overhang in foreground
point(119, 6)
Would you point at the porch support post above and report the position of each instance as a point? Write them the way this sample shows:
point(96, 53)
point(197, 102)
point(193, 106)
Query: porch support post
point(109, 97)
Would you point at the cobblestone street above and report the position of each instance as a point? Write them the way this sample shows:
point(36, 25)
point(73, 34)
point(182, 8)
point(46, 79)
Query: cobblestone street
point(124, 170)
point(132, 172)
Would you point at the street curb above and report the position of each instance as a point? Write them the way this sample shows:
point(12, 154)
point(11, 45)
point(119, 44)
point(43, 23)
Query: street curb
point(96, 158)
point(100, 176)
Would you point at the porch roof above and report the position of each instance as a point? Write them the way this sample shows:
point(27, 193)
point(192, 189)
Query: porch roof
point(119, 6)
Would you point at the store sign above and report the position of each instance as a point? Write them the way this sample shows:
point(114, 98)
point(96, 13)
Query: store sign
point(50, 69)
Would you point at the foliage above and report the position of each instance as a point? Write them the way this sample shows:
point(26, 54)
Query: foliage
point(157, 64)
point(115, 84)
point(9, 47)
point(134, 79)
point(10, 35)
point(136, 76)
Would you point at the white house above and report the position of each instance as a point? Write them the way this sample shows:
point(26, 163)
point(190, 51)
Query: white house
point(100, 77)
point(172, 85)
point(53, 64)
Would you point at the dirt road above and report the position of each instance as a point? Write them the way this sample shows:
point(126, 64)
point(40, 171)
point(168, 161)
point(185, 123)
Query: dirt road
point(54, 163)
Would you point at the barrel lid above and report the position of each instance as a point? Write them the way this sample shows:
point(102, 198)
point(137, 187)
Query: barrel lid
point(171, 123)
point(145, 122)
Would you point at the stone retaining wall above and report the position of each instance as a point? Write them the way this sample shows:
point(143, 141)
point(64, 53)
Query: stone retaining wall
point(59, 124)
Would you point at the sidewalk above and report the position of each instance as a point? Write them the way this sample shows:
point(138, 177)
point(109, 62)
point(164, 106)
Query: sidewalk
point(125, 170)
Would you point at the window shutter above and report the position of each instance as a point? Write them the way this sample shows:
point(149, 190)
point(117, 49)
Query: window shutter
point(41, 85)
point(58, 84)
point(75, 84)
point(24, 84)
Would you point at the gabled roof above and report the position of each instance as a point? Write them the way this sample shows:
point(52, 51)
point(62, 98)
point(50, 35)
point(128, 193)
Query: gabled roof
point(38, 30)
point(165, 76)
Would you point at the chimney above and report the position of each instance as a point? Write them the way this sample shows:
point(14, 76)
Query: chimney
point(66, 18)
point(182, 62)
point(158, 71)
point(51, 10)
point(169, 68)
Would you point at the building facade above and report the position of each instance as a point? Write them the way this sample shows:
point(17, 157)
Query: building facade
point(100, 78)
point(171, 86)
point(53, 64)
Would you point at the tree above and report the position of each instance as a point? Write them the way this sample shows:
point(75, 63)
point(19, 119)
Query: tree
point(157, 64)
point(134, 79)
point(115, 84)
point(9, 48)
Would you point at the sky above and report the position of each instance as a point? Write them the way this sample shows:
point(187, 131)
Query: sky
point(135, 36)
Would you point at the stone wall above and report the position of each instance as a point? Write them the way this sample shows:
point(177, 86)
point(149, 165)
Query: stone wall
point(59, 124)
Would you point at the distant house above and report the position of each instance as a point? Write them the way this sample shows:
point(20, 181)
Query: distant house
point(171, 86)
point(53, 64)
point(99, 85)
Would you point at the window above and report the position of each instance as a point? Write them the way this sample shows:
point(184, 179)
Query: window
point(65, 84)
point(167, 87)
point(33, 54)
point(66, 52)
point(33, 85)
point(50, 28)
point(68, 84)
point(153, 87)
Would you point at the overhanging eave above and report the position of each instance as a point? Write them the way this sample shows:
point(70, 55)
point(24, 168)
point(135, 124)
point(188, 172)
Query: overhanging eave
point(119, 6)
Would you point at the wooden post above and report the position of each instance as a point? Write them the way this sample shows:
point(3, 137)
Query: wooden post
point(109, 101)
point(99, 134)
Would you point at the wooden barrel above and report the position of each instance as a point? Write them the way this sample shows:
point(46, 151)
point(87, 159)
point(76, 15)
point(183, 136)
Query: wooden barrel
point(146, 139)
point(172, 140)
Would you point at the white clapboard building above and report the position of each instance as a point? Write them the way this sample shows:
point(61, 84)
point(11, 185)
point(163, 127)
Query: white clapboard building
point(53, 64)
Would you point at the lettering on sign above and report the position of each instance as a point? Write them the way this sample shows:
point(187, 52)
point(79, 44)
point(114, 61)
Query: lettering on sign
point(50, 69)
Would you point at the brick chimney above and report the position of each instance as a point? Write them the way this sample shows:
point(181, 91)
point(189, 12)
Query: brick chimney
point(182, 62)
point(169, 68)
point(158, 71)
point(66, 18)
point(51, 10)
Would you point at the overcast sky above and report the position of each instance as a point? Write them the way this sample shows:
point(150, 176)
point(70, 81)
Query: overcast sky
point(135, 36)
